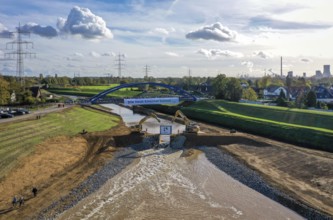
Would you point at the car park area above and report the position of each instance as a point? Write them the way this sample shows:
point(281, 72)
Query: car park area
point(12, 112)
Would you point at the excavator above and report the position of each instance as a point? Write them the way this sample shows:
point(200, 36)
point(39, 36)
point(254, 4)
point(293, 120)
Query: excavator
point(138, 128)
point(191, 127)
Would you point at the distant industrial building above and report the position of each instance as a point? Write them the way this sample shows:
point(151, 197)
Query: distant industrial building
point(327, 71)
point(318, 74)
point(290, 74)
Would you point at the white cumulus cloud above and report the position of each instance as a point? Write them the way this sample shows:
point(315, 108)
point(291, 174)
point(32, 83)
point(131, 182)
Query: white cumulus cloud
point(214, 53)
point(34, 28)
point(81, 21)
point(215, 31)
point(161, 31)
point(4, 32)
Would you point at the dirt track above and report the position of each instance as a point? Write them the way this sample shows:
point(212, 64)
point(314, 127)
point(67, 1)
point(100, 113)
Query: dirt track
point(304, 174)
point(63, 163)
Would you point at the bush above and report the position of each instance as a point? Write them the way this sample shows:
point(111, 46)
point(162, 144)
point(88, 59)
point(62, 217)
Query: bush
point(311, 99)
point(52, 100)
point(281, 102)
point(330, 105)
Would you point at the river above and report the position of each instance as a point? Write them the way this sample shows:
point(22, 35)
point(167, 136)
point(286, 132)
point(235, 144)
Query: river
point(162, 185)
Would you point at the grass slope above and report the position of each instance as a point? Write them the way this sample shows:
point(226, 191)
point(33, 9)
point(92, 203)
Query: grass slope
point(19, 138)
point(281, 114)
point(306, 128)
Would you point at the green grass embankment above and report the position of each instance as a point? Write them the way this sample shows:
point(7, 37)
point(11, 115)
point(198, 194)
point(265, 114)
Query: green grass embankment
point(318, 119)
point(19, 138)
point(302, 127)
point(305, 128)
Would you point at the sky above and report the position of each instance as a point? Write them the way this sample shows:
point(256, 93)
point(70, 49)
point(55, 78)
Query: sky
point(174, 38)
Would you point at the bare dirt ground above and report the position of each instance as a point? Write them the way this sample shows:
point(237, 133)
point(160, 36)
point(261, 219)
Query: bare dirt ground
point(305, 174)
point(57, 166)
point(60, 164)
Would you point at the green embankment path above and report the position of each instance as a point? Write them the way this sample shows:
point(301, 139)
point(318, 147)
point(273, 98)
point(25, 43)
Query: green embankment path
point(303, 127)
point(19, 138)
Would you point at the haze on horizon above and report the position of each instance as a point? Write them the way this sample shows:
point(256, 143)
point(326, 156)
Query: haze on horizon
point(171, 36)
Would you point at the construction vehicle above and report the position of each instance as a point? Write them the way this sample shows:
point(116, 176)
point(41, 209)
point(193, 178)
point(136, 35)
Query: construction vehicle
point(138, 127)
point(191, 127)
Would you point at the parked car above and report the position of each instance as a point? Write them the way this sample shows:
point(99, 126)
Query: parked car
point(6, 115)
point(26, 111)
point(18, 112)
point(10, 111)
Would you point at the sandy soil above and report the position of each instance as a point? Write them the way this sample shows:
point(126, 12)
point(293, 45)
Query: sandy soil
point(305, 174)
point(56, 167)
point(50, 158)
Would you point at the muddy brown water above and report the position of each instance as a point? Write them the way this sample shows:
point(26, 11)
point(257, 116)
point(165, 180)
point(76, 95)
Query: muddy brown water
point(162, 185)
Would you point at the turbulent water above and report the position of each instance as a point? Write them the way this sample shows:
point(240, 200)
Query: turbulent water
point(163, 185)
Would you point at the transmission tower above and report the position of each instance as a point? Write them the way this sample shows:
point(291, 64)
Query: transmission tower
point(120, 63)
point(147, 70)
point(189, 78)
point(19, 52)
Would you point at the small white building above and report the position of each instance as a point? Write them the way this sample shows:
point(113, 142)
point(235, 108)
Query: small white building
point(272, 92)
point(13, 97)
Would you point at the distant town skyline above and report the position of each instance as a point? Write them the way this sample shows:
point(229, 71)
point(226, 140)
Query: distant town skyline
point(171, 36)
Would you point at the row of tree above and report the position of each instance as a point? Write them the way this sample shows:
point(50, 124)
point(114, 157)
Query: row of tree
point(22, 95)
point(222, 87)
point(228, 88)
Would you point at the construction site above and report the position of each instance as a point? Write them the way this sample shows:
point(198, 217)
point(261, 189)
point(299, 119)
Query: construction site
point(155, 145)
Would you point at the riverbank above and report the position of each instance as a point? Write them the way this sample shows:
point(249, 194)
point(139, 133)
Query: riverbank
point(122, 157)
point(304, 175)
point(251, 178)
point(97, 149)
point(108, 155)
point(218, 156)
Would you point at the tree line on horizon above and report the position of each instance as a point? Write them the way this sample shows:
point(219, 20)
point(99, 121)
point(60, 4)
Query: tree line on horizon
point(221, 86)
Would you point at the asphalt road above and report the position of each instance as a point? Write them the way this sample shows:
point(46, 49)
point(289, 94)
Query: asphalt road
point(35, 113)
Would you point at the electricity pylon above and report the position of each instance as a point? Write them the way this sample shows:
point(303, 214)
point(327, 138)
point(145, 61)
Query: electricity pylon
point(147, 70)
point(20, 52)
point(120, 63)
